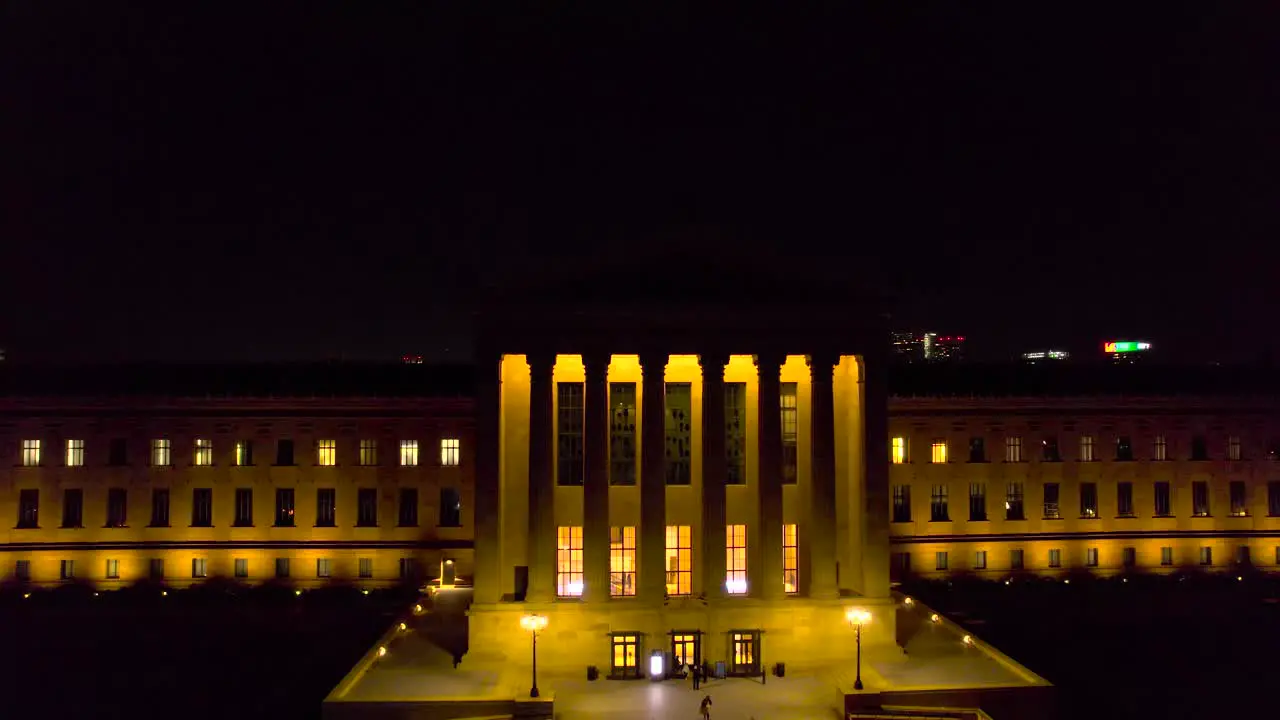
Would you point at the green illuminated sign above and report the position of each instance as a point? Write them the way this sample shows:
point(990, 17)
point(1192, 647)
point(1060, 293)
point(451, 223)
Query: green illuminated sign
point(1125, 346)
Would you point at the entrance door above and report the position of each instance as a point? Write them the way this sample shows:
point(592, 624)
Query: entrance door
point(745, 649)
point(626, 653)
point(685, 649)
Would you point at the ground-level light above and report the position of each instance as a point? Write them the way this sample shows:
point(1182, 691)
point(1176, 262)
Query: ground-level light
point(657, 665)
point(934, 618)
point(968, 639)
point(382, 651)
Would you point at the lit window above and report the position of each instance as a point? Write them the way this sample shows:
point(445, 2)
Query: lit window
point(75, 453)
point(1166, 556)
point(409, 453)
point(327, 453)
point(980, 560)
point(940, 560)
point(30, 453)
point(735, 576)
point(679, 560)
point(1160, 450)
point(939, 451)
point(113, 569)
point(1088, 500)
point(1055, 558)
point(199, 567)
point(450, 449)
point(204, 452)
point(1091, 557)
point(1013, 449)
point(1200, 498)
point(626, 649)
point(1086, 448)
point(569, 561)
point(622, 561)
point(68, 571)
point(244, 453)
point(368, 452)
point(790, 423)
point(161, 452)
point(898, 452)
point(790, 560)
point(322, 567)
point(242, 567)
point(1239, 506)
point(1233, 448)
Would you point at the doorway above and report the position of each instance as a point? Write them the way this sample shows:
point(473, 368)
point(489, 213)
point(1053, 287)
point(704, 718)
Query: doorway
point(686, 647)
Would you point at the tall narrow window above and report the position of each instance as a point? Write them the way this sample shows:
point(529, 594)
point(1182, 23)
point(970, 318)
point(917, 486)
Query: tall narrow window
point(1013, 449)
point(159, 507)
point(244, 507)
point(1273, 498)
point(980, 560)
point(679, 560)
point(977, 450)
point(1199, 448)
point(203, 452)
point(790, 560)
point(622, 434)
point(977, 501)
point(735, 432)
point(1166, 556)
point(117, 504)
point(622, 561)
point(242, 568)
point(367, 507)
point(202, 507)
point(244, 453)
point(326, 507)
point(68, 570)
point(1088, 500)
point(1091, 557)
point(450, 452)
point(898, 451)
point(1200, 498)
point(790, 424)
point(569, 449)
point(678, 431)
point(408, 453)
point(199, 567)
point(408, 516)
point(323, 568)
point(1013, 507)
point(75, 453)
point(1164, 508)
point(72, 508)
point(30, 453)
point(113, 569)
point(1206, 556)
point(450, 507)
point(1124, 499)
point(365, 568)
point(368, 452)
point(118, 452)
point(284, 452)
point(161, 452)
point(326, 453)
point(282, 568)
point(1055, 557)
point(1129, 557)
point(1159, 449)
point(1015, 559)
point(284, 507)
point(569, 561)
point(1239, 508)
point(1049, 447)
point(735, 576)
point(1086, 448)
point(939, 451)
point(940, 561)
point(902, 503)
point(1233, 448)
point(938, 504)
point(1052, 510)
point(1124, 448)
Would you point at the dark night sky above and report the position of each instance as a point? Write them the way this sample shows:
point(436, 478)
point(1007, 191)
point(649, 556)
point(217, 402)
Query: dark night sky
point(309, 180)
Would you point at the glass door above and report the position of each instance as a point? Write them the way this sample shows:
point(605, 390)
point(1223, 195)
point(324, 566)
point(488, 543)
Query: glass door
point(684, 649)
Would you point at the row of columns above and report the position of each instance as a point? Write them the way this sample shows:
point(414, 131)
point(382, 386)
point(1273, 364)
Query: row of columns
point(765, 553)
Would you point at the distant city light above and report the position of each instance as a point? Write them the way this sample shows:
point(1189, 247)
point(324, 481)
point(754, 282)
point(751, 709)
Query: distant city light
point(1046, 355)
point(1125, 346)
point(411, 359)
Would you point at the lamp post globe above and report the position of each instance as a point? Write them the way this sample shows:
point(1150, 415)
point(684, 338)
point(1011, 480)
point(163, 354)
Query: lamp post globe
point(534, 624)
point(857, 617)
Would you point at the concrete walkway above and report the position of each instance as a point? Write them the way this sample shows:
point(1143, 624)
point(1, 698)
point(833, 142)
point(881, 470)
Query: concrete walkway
point(802, 698)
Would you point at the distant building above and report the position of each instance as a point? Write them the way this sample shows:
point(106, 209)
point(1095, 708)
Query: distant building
point(917, 347)
point(411, 359)
point(1039, 356)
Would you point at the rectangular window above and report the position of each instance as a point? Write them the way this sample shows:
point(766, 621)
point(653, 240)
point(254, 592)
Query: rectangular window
point(366, 568)
point(1015, 559)
point(1055, 558)
point(622, 561)
point(1199, 448)
point(161, 452)
point(117, 505)
point(1124, 448)
point(326, 453)
point(113, 569)
point(1242, 555)
point(569, 561)
point(1206, 556)
point(450, 507)
point(408, 516)
point(408, 453)
point(322, 568)
point(1200, 498)
point(902, 503)
point(29, 508)
point(368, 452)
point(1129, 557)
point(626, 651)
point(898, 451)
point(1052, 511)
point(1013, 507)
point(622, 434)
point(22, 570)
point(938, 451)
point(1124, 499)
point(1273, 498)
point(735, 433)
point(75, 453)
point(244, 453)
point(242, 567)
point(367, 507)
point(790, 425)
point(735, 543)
point(1239, 506)
point(977, 450)
point(326, 507)
point(450, 452)
point(30, 453)
point(159, 508)
point(118, 452)
point(1166, 556)
point(73, 508)
point(1013, 449)
point(1088, 500)
point(203, 452)
point(284, 452)
point(980, 560)
point(244, 507)
point(284, 507)
point(1049, 447)
point(679, 560)
point(790, 560)
point(940, 560)
point(938, 504)
point(1086, 448)
point(155, 569)
point(408, 568)
point(282, 568)
point(1091, 557)
point(1160, 449)
point(199, 567)
point(68, 570)
point(677, 427)
point(202, 507)
point(1164, 508)
point(569, 448)
point(977, 501)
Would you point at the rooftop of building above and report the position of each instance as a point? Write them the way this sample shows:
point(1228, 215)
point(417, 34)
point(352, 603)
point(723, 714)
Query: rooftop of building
point(1068, 380)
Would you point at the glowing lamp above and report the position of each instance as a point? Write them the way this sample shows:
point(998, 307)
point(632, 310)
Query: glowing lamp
point(448, 562)
point(656, 665)
point(735, 587)
point(968, 639)
point(533, 623)
point(1239, 578)
point(573, 589)
point(382, 651)
point(908, 601)
point(857, 616)
point(417, 608)
point(1067, 581)
point(297, 593)
point(164, 593)
point(364, 592)
point(403, 627)
point(26, 595)
point(934, 618)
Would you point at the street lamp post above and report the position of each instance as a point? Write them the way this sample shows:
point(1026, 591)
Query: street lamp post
point(858, 617)
point(534, 624)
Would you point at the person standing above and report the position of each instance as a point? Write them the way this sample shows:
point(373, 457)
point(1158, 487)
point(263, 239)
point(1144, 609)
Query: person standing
point(697, 676)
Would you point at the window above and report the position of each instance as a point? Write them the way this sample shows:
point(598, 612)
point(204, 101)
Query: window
point(743, 646)
point(113, 569)
point(1239, 506)
point(159, 508)
point(22, 570)
point(1088, 500)
point(1015, 559)
point(323, 567)
point(1091, 557)
point(368, 453)
point(75, 453)
point(409, 568)
point(282, 568)
point(72, 508)
point(450, 451)
point(1206, 556)
point(626, 650)
point(1160, 449)
point(1013, 509)
point(1013, 449)
point(1124, 448)
point(204, 452)
point(161, 452)
point(1129, 557)
point(940, 560)
point(366, 568)
point(199, 567)
point(326, 507)
point(622, 561)
point(450, 507)
point(679, 560)
point(1124, 499)
point(326, 453)
point(1273, 499)
point(155, 569)
point(622, 434)
point(735, 543)
point(1199, 448)
point(569, 561)
point(790, 560)
point(202, 507)
point(569, 449)
point(1055, 558)
point(902, 503)
point(1233, 448)
point(1200, 498)
point(244, 507)
point(284, 507)
point(408, 453)
point(898, 451)
point(1049, 446)
point(367, 507)
point(938, 504)
point(977, 501)
point(1164, 508)
point(30, 453)
point(1086, 448)
point(68, 570)
point(899, 565)
point(284, 452)
point(117, 503)
point(242, 567)
point(790, 423)
point(29, 508)
point(244, 453)
point(408, 516)
point(938, 452)
point(980, 560)
point(677, 431)
point(118, 452)
point(1051, 509)
point(1166, 556)
point(977, 450)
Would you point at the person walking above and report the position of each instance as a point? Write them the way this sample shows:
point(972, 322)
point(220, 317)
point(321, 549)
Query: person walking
point(697, 676)
point(705, 708)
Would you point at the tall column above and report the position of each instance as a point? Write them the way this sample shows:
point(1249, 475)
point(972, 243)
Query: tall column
point(653, 480)
point(714, 471)
point(822, 494)
point(487, 564)
point(766, 578)
point(595, 496)
point(874, 376)
point(542, 530)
